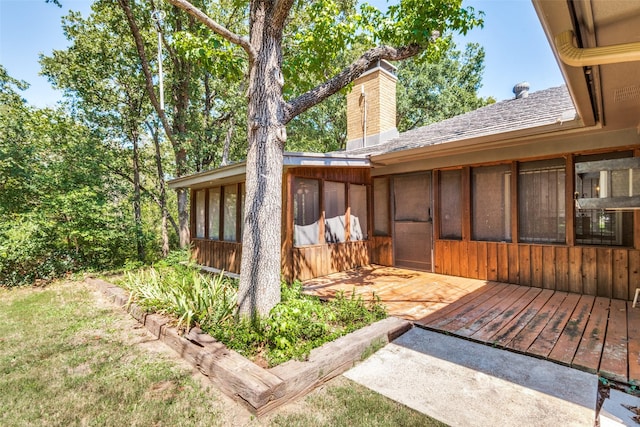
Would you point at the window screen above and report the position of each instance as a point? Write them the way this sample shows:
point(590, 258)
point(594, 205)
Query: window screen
point(306, 211)
point(358, 212)
point(451, 204)
point(381, 207)
point(334, 211)
point(599, 226)
point(412, 198)
point(214, 213)
point(200, 199)
point(230, 212)
point(541, 201)
point(491, 219)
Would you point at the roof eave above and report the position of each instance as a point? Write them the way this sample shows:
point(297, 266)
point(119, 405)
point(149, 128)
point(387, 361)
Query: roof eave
point(289, 160)
point(484, 142)
point(224, 172)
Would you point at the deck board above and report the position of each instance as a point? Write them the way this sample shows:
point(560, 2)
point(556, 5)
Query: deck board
point(462, 311)
point(589, 351)
point(589, 333)
point(488, 331)
point(549, 336)
point(527, 336)
point(518, 323)
point(471, 312)
point(633, 331)
point(614, 354)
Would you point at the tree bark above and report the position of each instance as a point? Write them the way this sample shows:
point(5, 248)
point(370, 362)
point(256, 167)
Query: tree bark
point(137, 212)
point(163, 193)
point(259, 289)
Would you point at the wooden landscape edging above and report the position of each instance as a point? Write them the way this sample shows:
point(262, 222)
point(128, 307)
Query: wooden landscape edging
point(261, 390)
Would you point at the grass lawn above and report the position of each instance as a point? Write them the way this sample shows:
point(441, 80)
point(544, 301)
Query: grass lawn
point(66, 358)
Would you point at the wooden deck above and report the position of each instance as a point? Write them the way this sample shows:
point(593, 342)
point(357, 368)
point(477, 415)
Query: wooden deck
point(593, 334)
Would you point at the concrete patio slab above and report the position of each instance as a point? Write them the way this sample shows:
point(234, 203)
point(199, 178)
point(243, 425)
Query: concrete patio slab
point(463, 383)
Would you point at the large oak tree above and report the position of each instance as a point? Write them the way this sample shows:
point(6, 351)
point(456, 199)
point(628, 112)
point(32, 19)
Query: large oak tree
point(403, 31)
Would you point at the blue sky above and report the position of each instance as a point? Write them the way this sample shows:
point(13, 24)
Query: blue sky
point(515, 45)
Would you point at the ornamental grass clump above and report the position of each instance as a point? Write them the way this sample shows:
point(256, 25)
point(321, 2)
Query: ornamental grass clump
point(182, 291)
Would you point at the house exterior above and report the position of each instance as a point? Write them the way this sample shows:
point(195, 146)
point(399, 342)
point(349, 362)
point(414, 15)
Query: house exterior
point(540, 190)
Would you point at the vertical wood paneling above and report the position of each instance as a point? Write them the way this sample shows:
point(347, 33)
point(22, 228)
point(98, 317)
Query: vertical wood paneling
point(492, 261)
point(562, 268)
point(446, 257)
point(472, 256)
point(634, 273)
point(575, 270)
point(620, 274)
point(483, 265)
point(548, 267)
point(454, 254)
point(503, 262)
point(604, 272)
point(536, 266)
point(463, 256)
point(514, 263)
point(589, 271)
point(524, 264)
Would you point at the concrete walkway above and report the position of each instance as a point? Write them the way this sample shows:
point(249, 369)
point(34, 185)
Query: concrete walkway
point(463, 383)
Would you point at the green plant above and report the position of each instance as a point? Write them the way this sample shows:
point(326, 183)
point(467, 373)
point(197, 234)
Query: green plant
point(184, 292)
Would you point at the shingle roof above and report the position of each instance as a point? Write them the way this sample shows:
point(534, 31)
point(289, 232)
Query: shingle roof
point(545, 107)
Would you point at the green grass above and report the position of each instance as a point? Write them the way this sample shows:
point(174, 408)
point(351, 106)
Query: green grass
point(349, 404)
point(67, 361)
point(63, 362)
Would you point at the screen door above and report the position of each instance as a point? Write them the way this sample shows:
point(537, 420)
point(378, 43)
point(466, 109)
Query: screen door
point(412, 221)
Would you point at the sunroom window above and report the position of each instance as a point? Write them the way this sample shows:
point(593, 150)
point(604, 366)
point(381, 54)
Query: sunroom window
point(541, 201)
point(491, 195)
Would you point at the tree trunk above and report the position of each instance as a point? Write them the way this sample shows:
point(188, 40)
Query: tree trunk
point(259, 289)
point(137, 212)
point(163, 192)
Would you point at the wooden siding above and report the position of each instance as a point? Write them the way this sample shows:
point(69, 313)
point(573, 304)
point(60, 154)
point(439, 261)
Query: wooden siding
point(599, 271)
point(217, 254)
point(320, 260)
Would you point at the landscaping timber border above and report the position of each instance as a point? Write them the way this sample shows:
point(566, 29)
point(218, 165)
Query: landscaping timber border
point(261, 390)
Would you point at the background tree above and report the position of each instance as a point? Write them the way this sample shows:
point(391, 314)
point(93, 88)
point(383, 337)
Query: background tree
point(405, 30)
point(61, 210)
point(432, 91)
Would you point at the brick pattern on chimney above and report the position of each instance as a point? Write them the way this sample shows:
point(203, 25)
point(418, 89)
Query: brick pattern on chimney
point(380, 90)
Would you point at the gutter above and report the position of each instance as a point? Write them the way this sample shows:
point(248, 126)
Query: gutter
point(585, 57)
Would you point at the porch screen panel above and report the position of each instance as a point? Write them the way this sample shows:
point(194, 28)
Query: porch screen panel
point(491, 216)
point(412, 203)
point(334, 210)
point(306, 211)
point(200, 199)
point(451, 204)
point(358, 212)
point(541, 201)
point(214, 213)
point(381, 219)
point(230, 212)
point(598, 226)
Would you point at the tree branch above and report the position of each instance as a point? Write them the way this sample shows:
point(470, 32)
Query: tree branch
point(135, 31)
point(318, 94)
point(280, 12)
point(234, 38)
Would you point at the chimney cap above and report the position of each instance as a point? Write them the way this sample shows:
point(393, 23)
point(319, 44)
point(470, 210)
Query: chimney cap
point(521, 90)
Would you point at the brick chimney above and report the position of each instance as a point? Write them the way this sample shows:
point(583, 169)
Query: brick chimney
point(371, 107)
